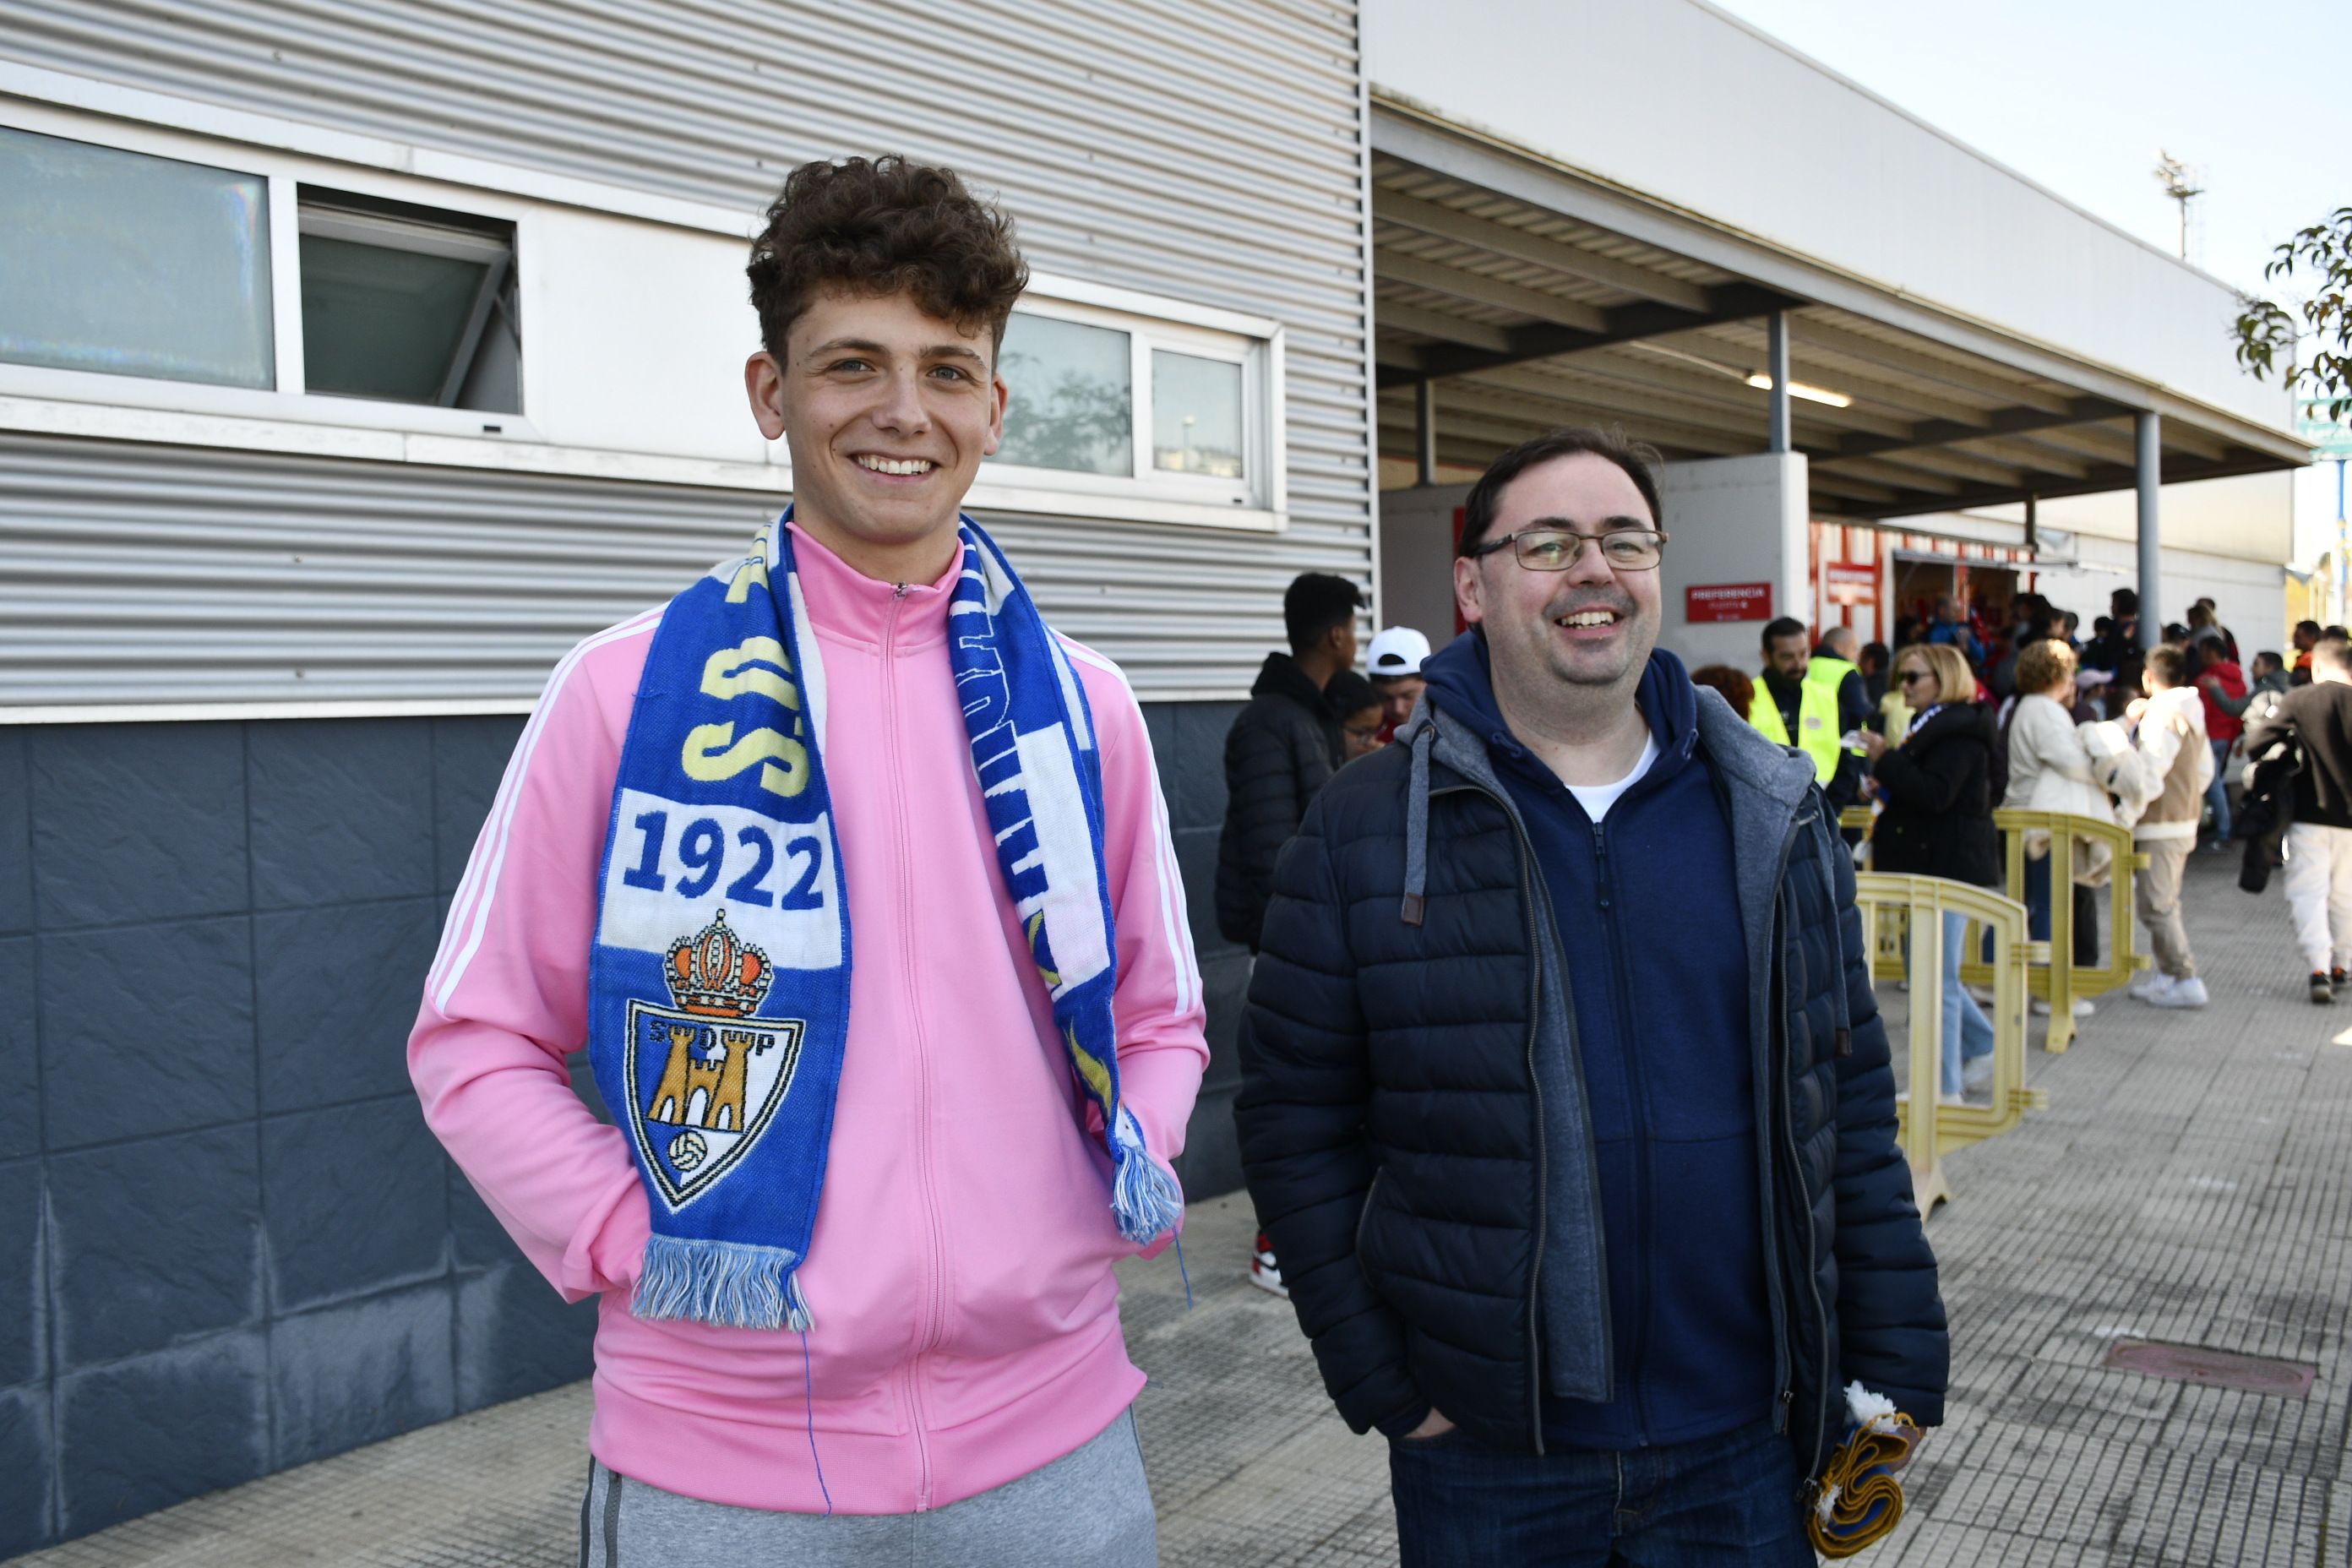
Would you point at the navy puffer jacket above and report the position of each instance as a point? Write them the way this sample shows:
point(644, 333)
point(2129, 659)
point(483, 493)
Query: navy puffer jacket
point(1390, 1123)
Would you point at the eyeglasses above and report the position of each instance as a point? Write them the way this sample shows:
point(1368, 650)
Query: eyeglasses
point(1908, 676)
point(1557, 549)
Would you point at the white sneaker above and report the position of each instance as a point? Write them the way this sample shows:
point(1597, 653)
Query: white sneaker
point(2150, 981)
point(1976, 1072)
point(2186, 991)
point(2084, 1007)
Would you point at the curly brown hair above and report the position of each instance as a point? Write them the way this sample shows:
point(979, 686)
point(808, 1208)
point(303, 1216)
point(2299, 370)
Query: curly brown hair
point(884, 225)
point(2041, 665)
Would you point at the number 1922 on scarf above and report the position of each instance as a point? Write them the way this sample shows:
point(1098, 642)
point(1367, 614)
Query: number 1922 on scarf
point(674, 863)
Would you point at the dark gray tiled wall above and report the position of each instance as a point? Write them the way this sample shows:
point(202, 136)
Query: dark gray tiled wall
point(229, 1244)
point(1188, 738)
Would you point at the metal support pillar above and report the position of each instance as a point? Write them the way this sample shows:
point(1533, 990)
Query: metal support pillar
point(2343, 538)
point(1424, 404)
point(2148, 429)
point(1779, 370)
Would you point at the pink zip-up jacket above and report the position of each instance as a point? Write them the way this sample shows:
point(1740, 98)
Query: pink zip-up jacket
point(966, 1316)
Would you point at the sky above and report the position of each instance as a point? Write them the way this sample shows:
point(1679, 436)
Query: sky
point(2078, 95)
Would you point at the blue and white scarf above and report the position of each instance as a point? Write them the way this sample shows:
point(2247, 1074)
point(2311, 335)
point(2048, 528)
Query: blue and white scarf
point(718, 987)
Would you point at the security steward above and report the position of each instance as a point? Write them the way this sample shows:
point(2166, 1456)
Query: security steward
point(1808, 701)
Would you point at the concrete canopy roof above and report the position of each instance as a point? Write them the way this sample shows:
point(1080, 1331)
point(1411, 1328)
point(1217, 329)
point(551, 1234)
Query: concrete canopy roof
point(1531, 298)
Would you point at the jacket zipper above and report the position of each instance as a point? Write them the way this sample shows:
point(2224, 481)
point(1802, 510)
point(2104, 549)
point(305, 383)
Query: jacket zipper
point(1796, 1175)
point(1370, 1188)
point(1534, 1087)
point(1642, 1283)
point(930, 1305)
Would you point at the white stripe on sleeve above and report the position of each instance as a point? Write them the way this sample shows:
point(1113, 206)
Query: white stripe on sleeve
point(479, 887)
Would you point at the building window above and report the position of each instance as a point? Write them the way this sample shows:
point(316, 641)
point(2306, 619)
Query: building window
point(143, 266)
point(408, 304)
point(1196, 415)
point(1115, 399)
point(1073, 405)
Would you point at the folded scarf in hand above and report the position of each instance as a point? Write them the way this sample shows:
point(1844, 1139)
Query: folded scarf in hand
point(1861, 1501)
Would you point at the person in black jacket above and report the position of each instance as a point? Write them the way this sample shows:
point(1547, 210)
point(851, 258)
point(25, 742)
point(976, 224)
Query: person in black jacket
point(1285, 745)
point(2319, 841)
point(1595, 1244)
point(1938, 821)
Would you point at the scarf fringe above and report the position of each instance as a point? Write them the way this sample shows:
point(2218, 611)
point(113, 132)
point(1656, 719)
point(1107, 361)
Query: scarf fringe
point(1143, 1196)
point(732, 1284)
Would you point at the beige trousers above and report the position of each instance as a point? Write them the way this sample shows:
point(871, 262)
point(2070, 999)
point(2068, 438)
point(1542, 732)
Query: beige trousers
point(2156, 900)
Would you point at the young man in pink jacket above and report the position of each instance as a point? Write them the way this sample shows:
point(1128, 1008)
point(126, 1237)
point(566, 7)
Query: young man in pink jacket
point(852, 1224)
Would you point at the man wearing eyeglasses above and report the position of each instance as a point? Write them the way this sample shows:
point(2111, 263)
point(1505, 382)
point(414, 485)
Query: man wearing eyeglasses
point(1565, 1096)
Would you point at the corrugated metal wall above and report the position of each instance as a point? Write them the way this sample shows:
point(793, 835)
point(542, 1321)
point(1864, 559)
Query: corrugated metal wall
point(1209, 151)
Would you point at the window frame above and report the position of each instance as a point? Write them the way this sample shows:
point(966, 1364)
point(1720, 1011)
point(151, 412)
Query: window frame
point(499, 261)
point(1152, 325)
point(288, 418)
point(291, 399)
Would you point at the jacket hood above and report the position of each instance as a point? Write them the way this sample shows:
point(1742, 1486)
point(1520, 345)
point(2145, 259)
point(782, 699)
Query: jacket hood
point(1280, 676)
point(1461, 677)
point(2183, 701)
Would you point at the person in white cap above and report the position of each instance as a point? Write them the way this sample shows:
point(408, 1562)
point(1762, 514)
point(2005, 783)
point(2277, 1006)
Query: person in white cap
point(1394, 664)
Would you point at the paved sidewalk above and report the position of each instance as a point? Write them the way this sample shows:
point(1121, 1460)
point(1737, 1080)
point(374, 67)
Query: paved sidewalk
point(2190, 1181)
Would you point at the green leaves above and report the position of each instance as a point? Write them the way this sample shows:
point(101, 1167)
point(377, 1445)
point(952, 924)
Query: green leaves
point(2267, 332)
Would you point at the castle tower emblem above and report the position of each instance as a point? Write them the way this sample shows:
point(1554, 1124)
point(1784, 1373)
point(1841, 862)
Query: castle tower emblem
point(723, 1071)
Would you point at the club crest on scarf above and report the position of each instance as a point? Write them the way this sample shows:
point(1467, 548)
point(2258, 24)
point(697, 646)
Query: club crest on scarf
point(707, 1074)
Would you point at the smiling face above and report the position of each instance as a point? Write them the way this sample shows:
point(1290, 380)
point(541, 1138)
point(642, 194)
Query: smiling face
point(1590, 626)
point(888, 412)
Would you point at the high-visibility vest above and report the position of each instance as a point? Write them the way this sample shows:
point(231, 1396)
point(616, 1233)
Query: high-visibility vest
point(1817, 715)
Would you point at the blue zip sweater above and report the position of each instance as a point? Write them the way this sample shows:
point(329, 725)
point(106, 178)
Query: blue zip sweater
point(1648, 915)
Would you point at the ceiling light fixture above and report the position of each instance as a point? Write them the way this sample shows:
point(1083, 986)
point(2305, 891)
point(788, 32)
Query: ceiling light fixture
point(1759, 379)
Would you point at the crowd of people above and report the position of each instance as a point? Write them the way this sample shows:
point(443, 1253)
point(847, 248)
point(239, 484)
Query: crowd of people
point(1959, 719)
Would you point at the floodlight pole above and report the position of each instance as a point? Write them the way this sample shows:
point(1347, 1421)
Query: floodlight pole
point(1777, 354)
point(2148, 429)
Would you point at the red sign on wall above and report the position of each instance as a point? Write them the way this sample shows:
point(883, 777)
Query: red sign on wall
point(1847, 583)
point(1728, 602)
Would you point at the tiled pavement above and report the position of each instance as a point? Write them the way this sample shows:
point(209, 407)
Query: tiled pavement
point(2189, 1181)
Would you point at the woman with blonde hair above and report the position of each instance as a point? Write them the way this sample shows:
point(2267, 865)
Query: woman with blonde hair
point(1938, 791)
point(2050, 769)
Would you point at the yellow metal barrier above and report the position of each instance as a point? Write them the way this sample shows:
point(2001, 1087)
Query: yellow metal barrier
point(2060, 982)
point(2055, 979)
point(1922, 901)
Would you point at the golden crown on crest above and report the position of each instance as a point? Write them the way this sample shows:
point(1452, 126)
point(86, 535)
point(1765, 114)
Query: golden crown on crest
point(715, 972)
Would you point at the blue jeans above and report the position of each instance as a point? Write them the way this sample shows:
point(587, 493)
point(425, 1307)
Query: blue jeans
point(1728, 1500)
point(1967, 1033)
point(2217, 793)
point(2037, 897)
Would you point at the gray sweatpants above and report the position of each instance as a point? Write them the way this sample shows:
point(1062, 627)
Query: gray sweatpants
point(1089, 1508)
